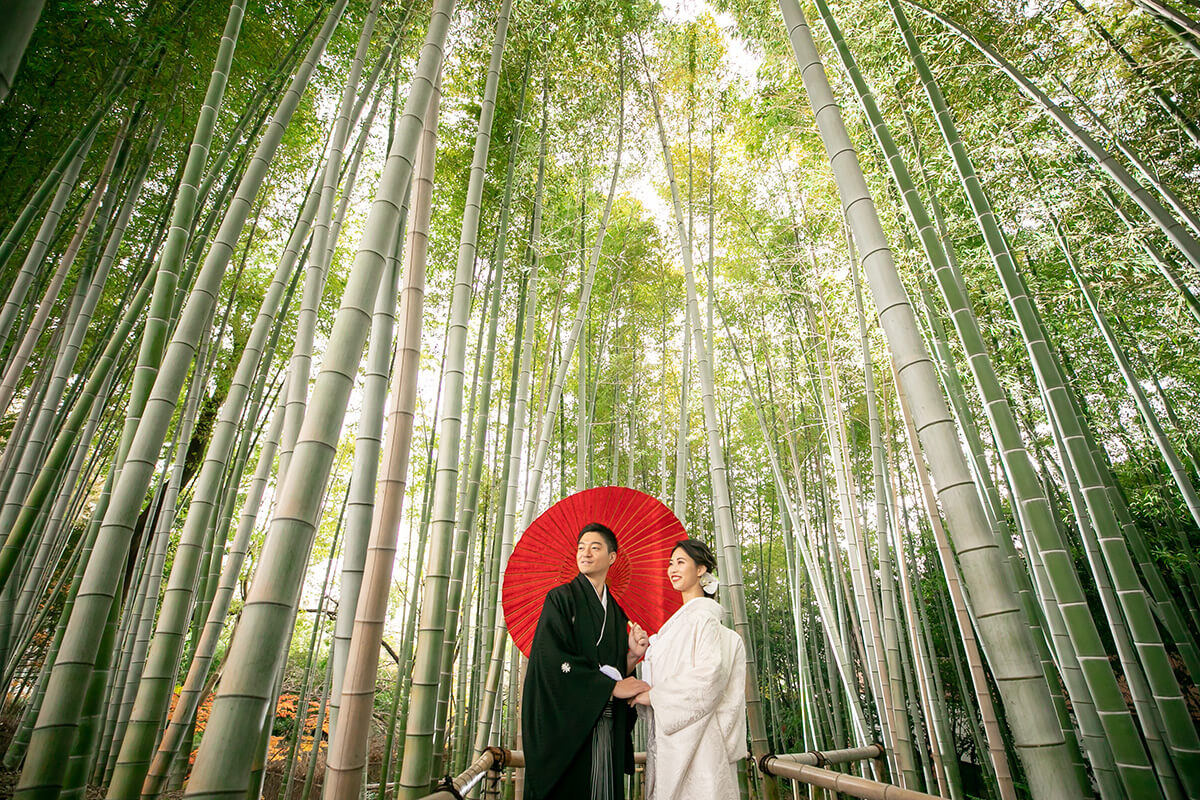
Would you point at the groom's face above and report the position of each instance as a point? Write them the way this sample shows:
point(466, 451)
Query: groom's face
point(592, 555)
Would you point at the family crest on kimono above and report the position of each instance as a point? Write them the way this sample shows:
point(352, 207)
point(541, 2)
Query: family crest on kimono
point(696, 704)
point(577, 724)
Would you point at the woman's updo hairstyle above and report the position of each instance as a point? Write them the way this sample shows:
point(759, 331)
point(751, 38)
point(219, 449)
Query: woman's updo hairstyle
point(702, 556)
point(699, 552)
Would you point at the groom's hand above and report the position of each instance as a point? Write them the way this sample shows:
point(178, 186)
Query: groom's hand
point(629, 687)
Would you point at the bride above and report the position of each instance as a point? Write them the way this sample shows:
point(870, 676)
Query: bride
point(696, 705)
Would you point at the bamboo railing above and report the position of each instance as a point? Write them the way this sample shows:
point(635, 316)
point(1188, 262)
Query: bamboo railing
point(801, 767)
point(816, 758)
point(807, 768)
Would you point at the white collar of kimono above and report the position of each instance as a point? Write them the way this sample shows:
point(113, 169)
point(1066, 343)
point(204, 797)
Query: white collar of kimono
point(697, 605)
point(603, 595)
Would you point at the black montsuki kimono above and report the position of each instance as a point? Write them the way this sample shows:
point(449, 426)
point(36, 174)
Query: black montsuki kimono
point(566, 693)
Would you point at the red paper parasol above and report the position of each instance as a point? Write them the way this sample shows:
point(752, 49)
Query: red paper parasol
point(545, 557)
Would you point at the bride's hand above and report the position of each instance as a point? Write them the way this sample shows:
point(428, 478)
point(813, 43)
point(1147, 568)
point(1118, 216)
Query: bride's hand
point(638, 640)
point(642, 699)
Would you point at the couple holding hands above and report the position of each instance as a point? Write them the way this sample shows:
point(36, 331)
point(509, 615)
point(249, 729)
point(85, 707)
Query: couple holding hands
point(582, 696)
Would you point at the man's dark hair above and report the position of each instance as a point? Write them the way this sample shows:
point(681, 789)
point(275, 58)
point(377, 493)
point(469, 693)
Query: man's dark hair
point(698, 552)
point(610, 538)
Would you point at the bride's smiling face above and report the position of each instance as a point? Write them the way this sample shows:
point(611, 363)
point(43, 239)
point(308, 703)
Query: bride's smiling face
point(682, 571)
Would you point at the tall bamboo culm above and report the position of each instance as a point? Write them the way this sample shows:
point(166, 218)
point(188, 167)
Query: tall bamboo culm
point(726, 532)
point(1003, 627)
point(258, 645)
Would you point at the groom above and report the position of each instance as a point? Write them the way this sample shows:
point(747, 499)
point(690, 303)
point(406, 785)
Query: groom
point(576, 724)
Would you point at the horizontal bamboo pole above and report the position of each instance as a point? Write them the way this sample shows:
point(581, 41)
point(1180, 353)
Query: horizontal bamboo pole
point(846, 784)
point(495, 759)
point(815, 758)
point(491, 759)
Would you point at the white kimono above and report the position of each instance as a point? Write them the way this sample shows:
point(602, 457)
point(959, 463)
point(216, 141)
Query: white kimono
point(696, 669)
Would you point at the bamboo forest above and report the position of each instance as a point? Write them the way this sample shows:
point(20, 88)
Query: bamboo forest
point(310, 309)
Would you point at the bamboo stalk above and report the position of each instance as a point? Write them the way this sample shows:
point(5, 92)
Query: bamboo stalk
point(1022, 685)
point(246, 687)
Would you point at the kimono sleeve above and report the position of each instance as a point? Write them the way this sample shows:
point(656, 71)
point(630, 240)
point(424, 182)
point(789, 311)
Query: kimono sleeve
point(693, 693)
point(731, 713)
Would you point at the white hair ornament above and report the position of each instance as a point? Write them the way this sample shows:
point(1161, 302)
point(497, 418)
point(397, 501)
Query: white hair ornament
point(709, 583)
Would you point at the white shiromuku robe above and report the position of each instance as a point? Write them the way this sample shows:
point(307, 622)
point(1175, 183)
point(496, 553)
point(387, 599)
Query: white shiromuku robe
point(696, 668)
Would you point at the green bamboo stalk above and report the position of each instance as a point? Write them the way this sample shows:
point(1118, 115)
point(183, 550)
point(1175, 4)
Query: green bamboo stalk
point(1135, 678)
point(1161, 97)
point(30, 454)
point(1156, 256)
point(900, 756)
point(58, 519)
point(75, 772)
point(504, 524)
point(1182, 481)
point(14, 235)
point(421, 721)
point(67, 360)
point(191, 694)
point(258, 646)
point(129, 614)
point(942, 752)
point(979, 682)
point(19, 359)
point(1169, 15)
point(732, 573)
point(302, 697)
point(537, 465)
point(149, 593)
point(155, 689)
point(185, 207)
point(73, 553)
point(891, 639)
point(262, 751)
point(321, 254)
point(508, 715)
point(22, 430)
point(61, 448)
point(19, 746)
point(937, 695)
point(1181, 735)
point(254, 116)
point(1003, 626)
point(830, 604)
point(62, 705)
point(312, 762)
point(157, 684)
point(31, 266)
point(1144, 169)
point(1034, 513)
point(825, 606)
point(385, 768)
point(468, 664)
point(468, 517)
point(366, 451)
point(582, 416)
